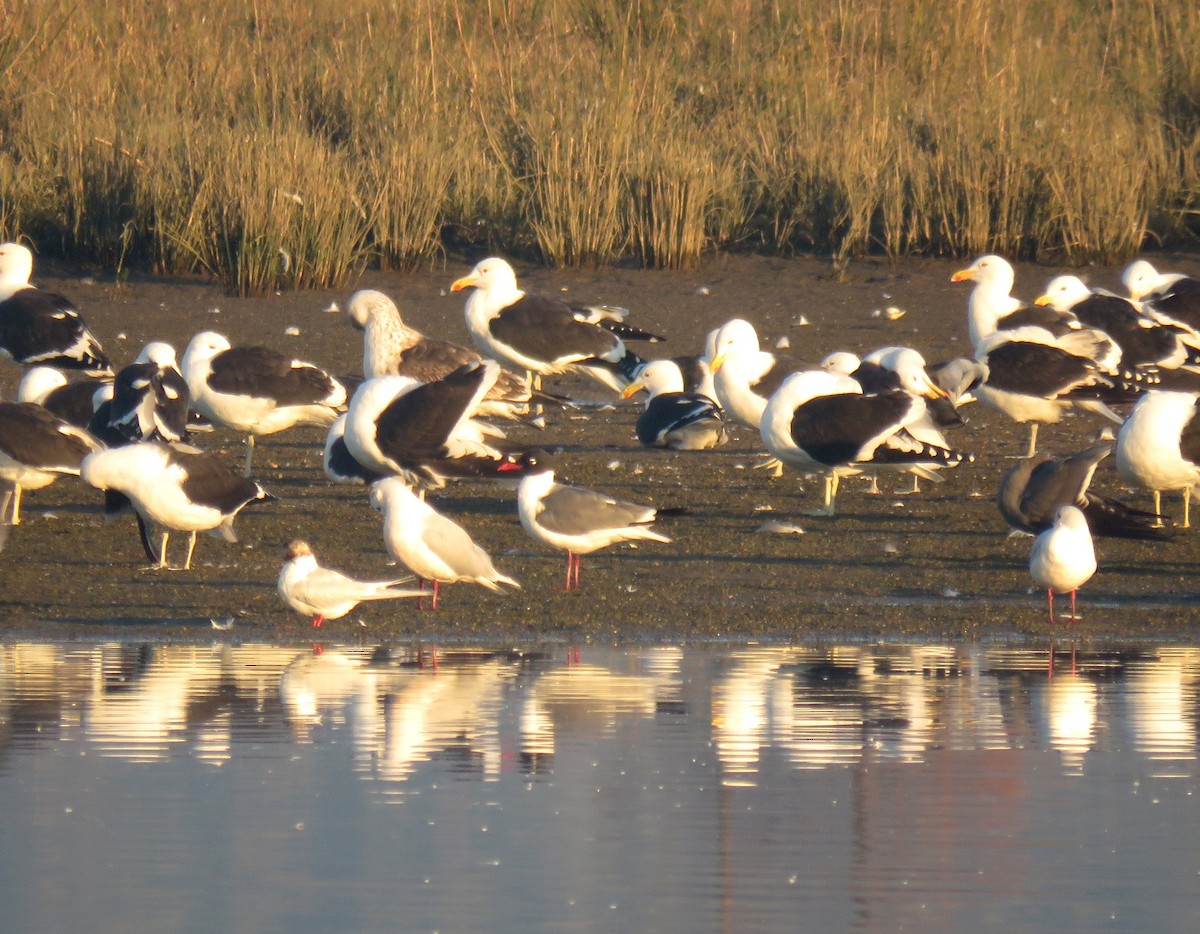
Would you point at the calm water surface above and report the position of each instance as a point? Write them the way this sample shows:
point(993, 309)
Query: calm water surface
point(874, 787)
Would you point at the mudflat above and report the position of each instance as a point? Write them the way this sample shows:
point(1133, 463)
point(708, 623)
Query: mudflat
point(939, 563)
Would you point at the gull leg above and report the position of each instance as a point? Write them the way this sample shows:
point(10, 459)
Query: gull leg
point(249, 454)
point(1033, 432)
point(570, 568)
point(1073, 616)
point(1050, 600)
point(5, 502)
point(16, 505)
point(1158, 523)
point(317, 621)
point(1187, 501)
point(873, 489)
point(162, 550)
point(187, 564)
point(434, 604)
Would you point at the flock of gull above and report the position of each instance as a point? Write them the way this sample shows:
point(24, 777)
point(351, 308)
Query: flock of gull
point(424, 413)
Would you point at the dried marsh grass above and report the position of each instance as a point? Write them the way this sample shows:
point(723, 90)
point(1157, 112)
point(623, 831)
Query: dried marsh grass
point(284, 145)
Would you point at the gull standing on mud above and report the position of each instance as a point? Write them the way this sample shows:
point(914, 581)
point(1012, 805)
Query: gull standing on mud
point(544, 336)
point(576, 520)
point(432, 546)
point(1063, 558)
point(181, 490)
point(1158, 447)
point(36, 448)
point(257, 390)
point(42, 327)
point(823, 422)
point(324, 593)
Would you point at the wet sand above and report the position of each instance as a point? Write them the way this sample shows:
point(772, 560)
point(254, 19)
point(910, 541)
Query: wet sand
point(939, 564)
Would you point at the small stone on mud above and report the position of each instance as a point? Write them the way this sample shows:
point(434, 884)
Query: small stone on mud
point(775, 527)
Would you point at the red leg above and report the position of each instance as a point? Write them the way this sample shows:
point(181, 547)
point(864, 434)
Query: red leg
point(317, 621)
point(570, 563)
point(1073, 616)
point(578, 559)
point(421, 587)
point(1050, 600)
point(435, 596)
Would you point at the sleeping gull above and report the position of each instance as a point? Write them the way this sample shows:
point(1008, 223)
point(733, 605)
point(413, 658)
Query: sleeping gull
point(36, 448)
point(822, 422)
point(1033, 490)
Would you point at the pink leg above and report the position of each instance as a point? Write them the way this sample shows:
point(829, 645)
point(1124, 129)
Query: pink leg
point(1073, 616)
point(570, 567)
point(435, 598)
point(578, 565)
point(317, 621)
point(1050, 600)
point(421, 587)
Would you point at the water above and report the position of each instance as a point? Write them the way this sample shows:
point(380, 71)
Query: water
point(714, 788)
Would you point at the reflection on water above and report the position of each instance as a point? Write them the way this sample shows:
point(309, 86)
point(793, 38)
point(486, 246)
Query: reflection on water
point(701, 788)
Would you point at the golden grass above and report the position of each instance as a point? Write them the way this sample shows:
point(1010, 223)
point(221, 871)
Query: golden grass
point(285, 145)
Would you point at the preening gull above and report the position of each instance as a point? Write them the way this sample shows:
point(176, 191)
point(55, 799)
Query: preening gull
point(392, 348)
point(36, 448)
point(1063, 558)
point(822, 422)
point(425, 432)
point(1032, 491)
point(150, 398)
point(324, 593)
point(257, 390)
point(42, 327)
point(432, 546)
point(576, 520)
point(1158, 447)
point(672, 418)
point(179, 489)
point(542, 335)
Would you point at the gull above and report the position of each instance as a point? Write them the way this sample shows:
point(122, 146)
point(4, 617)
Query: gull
point(257, 390)
point(1063, 558)
point(1158, 447)
point(1033, 490)
point(822, 422)
point(672, 418)
point(542, 335)
point(324, 593)
point(178, 488)
point(432, 546)
point(576, 520)
point(36, 448)
point(42, 327)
